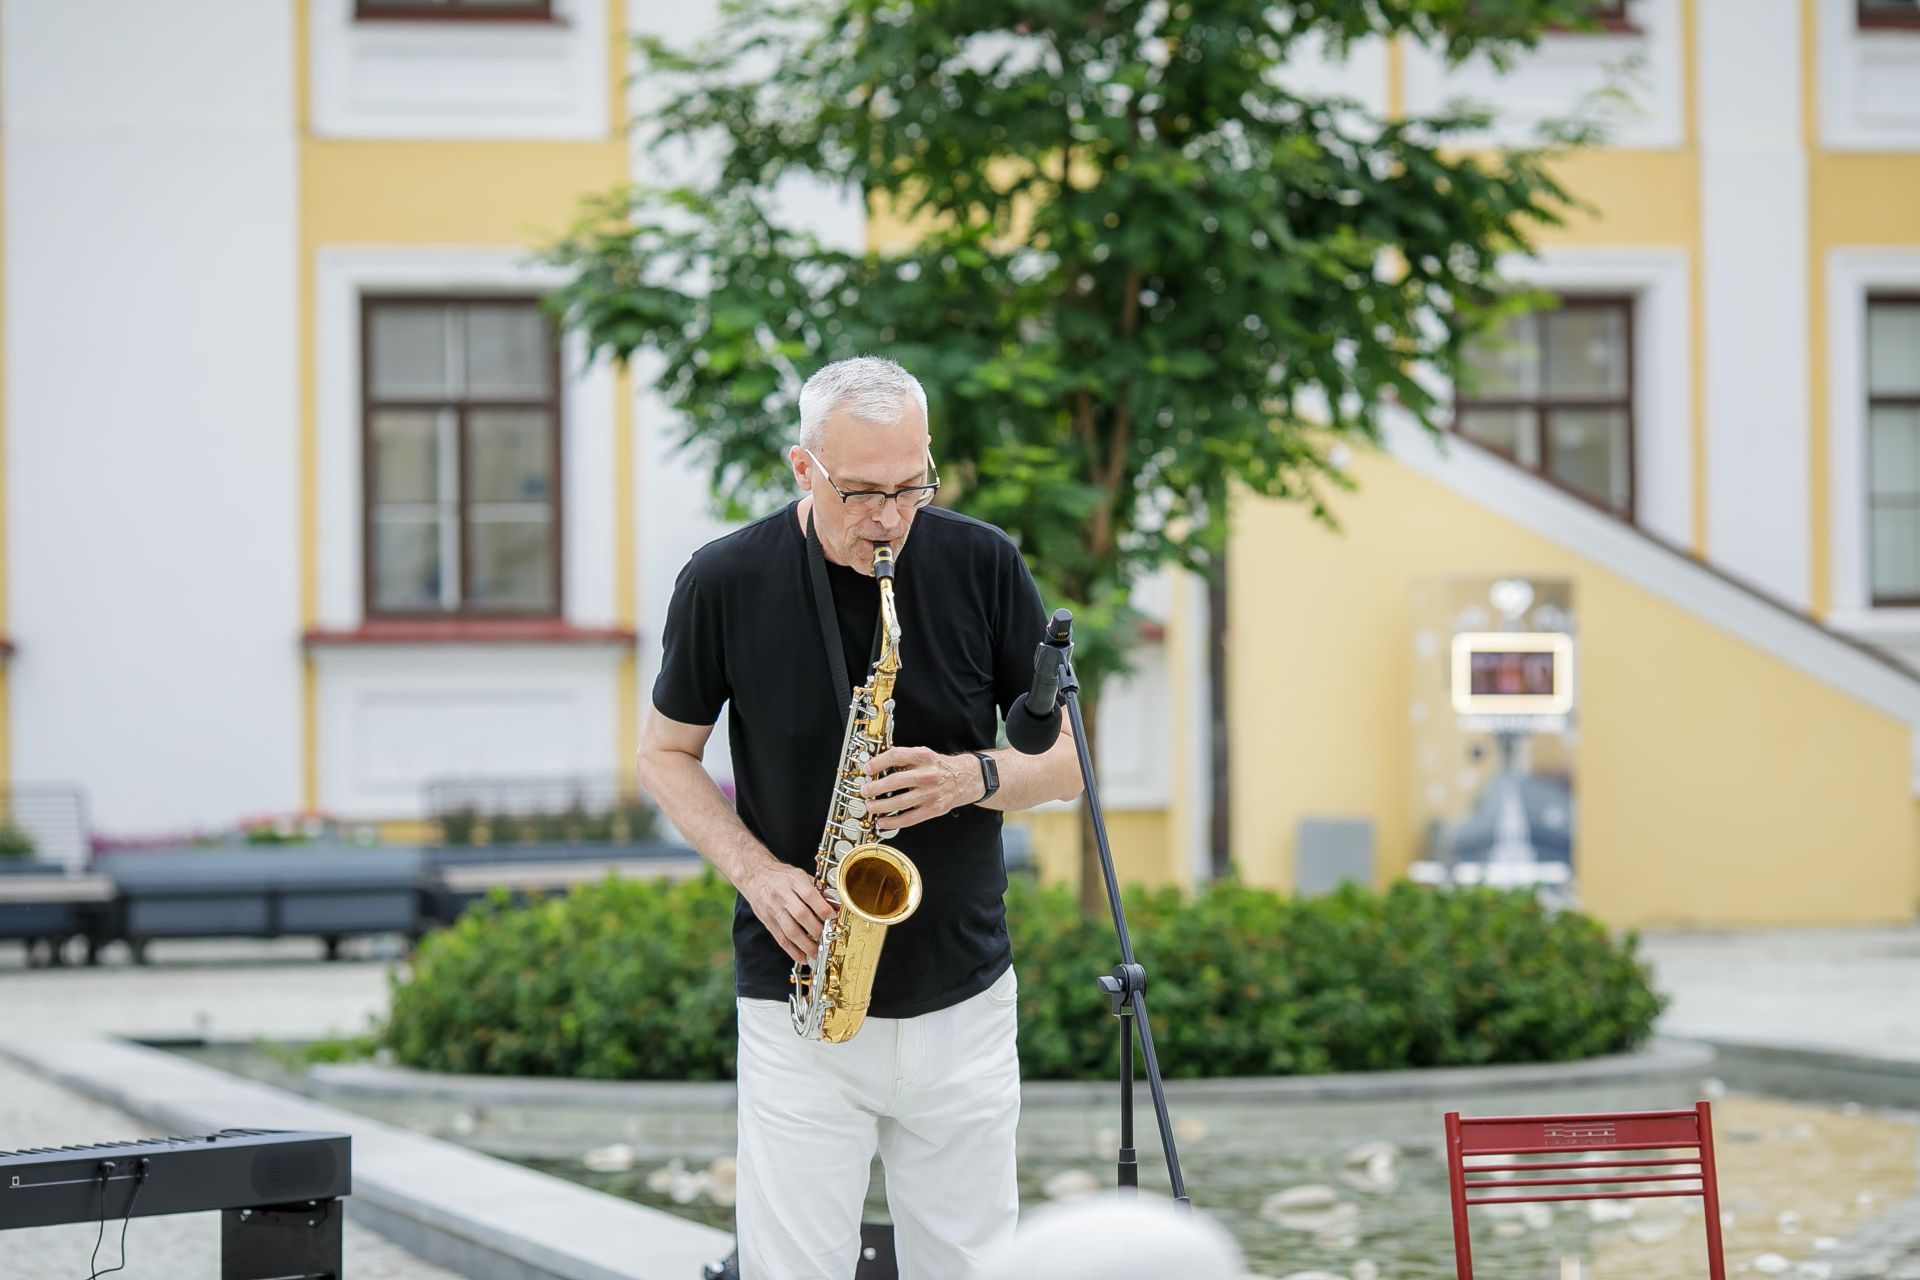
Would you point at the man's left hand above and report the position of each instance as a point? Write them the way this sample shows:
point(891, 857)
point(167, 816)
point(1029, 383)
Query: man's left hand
point(926, 785)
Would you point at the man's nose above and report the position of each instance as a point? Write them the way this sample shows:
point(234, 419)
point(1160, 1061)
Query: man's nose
point(890, 517)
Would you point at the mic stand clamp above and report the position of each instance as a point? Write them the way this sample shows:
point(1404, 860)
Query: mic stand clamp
point(1126, 986)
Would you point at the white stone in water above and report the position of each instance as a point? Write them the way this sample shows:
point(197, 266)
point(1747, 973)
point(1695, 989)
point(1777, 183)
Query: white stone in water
point(722, 1180)
point(1788, 1221)
point(1609, 1210)
point(1771, 1264)
point(661, 1180)
point(1815, 1270)
point(466, 1122)
point(1654, 1232)
point(1802, 1130)
point(1507, 1230)
point(615, 1158)
point(1310, 1208)
point(687, 1187)
point(1366, 1269)
point(1371, 1166)
point(1070, 1183)
point(1713, 1087)
point(1824, 1243)
point(1864, 1199)
point(1537, 1216)
point(1187, 1129)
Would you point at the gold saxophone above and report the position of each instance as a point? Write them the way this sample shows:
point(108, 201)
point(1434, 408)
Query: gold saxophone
point(871, 884)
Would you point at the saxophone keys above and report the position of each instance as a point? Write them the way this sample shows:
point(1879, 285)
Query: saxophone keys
point(843, 847)
point(857, 807)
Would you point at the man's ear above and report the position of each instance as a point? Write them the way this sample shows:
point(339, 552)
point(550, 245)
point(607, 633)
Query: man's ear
point(802, 467)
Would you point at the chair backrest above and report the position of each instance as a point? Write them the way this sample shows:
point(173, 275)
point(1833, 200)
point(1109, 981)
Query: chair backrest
point(1617, 1134)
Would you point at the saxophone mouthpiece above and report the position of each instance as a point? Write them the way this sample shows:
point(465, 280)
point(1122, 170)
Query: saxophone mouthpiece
point(882, 560)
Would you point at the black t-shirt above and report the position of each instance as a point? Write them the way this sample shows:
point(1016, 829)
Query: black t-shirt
point(742, 631)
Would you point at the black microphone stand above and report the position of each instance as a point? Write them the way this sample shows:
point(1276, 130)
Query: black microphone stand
point(1126, 986)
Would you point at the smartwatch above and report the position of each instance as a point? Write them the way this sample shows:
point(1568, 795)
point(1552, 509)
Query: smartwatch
point(989, 773)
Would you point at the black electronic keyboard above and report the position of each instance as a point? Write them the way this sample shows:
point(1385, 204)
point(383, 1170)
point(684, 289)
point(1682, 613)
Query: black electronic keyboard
point(277, 1190)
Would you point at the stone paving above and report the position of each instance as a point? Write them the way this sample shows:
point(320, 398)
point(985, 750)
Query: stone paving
point(34, 1113)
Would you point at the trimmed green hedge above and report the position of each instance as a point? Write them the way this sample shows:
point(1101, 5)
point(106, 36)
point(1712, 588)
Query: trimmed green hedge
point(634, 980)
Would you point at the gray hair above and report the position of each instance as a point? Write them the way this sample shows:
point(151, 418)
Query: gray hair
point(871, 388)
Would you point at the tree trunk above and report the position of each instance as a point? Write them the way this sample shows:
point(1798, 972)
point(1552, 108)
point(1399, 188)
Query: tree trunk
point(1220, 833)
point(1093, 883)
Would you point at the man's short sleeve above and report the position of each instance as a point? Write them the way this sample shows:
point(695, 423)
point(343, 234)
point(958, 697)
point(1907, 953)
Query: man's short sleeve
point(692, 685)
point(1023, 620)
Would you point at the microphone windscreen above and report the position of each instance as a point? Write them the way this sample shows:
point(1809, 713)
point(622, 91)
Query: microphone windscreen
point(1028, 733)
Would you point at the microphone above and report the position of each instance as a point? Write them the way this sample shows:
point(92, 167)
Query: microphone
point(1033, 722)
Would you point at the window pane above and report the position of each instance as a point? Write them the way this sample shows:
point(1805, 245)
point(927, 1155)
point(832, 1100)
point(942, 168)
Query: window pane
point(1895, 554)
point(512, 562)
point(406, 455)
point(408, 349)
point(1586, 351)
point(512, 458)
point(507, 352)
point(1893, 453)
point(1588, 453)
point(1508, 365)
point(406, 561)
point(1514, 432)
point(1893, 348)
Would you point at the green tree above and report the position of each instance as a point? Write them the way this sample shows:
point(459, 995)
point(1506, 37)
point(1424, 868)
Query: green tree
point(1144, 272)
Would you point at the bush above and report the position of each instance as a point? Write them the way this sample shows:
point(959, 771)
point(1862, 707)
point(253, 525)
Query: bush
point(634, 980)
point(14, 843)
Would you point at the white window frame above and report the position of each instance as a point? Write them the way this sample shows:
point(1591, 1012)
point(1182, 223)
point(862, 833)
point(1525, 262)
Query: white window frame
point(1853, 276)
point(1663, 367)
point(587, 405)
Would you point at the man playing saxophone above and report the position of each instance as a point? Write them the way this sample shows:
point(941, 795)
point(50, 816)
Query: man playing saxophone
point(758, 621)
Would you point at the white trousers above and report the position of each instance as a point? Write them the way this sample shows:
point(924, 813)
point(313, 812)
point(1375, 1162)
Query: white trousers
point(938, 1096)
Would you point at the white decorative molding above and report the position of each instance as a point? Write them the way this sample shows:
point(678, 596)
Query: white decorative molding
point(390, 79)
point(1549, 81)
point(342, 277)
point(1617, 548)
point(1869, 90)
point(392, 720)
point(1853, 274)
point(1663, 366)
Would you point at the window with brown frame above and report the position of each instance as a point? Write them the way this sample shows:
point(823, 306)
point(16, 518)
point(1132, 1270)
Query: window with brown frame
point(1893, 449)
point(454, 10)
point(1889, 13)
point(461, 450)
point(1554, 394)
point(1606, 15)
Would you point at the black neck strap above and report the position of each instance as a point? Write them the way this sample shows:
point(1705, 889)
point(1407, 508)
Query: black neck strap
point(829, 618)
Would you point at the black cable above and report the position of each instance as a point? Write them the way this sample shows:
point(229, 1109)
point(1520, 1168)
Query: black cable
point(139, 1177)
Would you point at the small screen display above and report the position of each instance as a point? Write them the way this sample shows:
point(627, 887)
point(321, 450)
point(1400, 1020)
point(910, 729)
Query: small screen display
point(1513, 673)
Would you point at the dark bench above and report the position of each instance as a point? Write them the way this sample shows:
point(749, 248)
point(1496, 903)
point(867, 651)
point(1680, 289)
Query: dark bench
point(331, 892)
point(44, 905)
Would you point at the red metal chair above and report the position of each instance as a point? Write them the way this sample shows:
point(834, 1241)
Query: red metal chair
point(1616, 1133)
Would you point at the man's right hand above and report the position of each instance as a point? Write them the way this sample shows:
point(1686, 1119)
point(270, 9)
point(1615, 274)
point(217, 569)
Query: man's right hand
point(790, 904)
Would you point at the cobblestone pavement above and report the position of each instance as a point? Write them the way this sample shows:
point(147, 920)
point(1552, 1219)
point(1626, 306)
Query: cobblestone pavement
point(34, 1113)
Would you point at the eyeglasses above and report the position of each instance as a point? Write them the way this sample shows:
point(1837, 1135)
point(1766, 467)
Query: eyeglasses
point(869, 502)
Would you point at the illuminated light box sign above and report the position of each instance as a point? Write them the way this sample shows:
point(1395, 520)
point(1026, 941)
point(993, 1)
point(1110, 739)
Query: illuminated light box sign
point(1512, 673)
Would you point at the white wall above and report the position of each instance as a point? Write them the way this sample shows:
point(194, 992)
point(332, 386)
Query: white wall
point(1754, 236)
point(459, 79)
point(1869, 83)
point(1551, 81)
point(151, 405)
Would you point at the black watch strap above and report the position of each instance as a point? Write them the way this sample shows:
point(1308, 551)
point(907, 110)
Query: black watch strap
point(989, 773)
